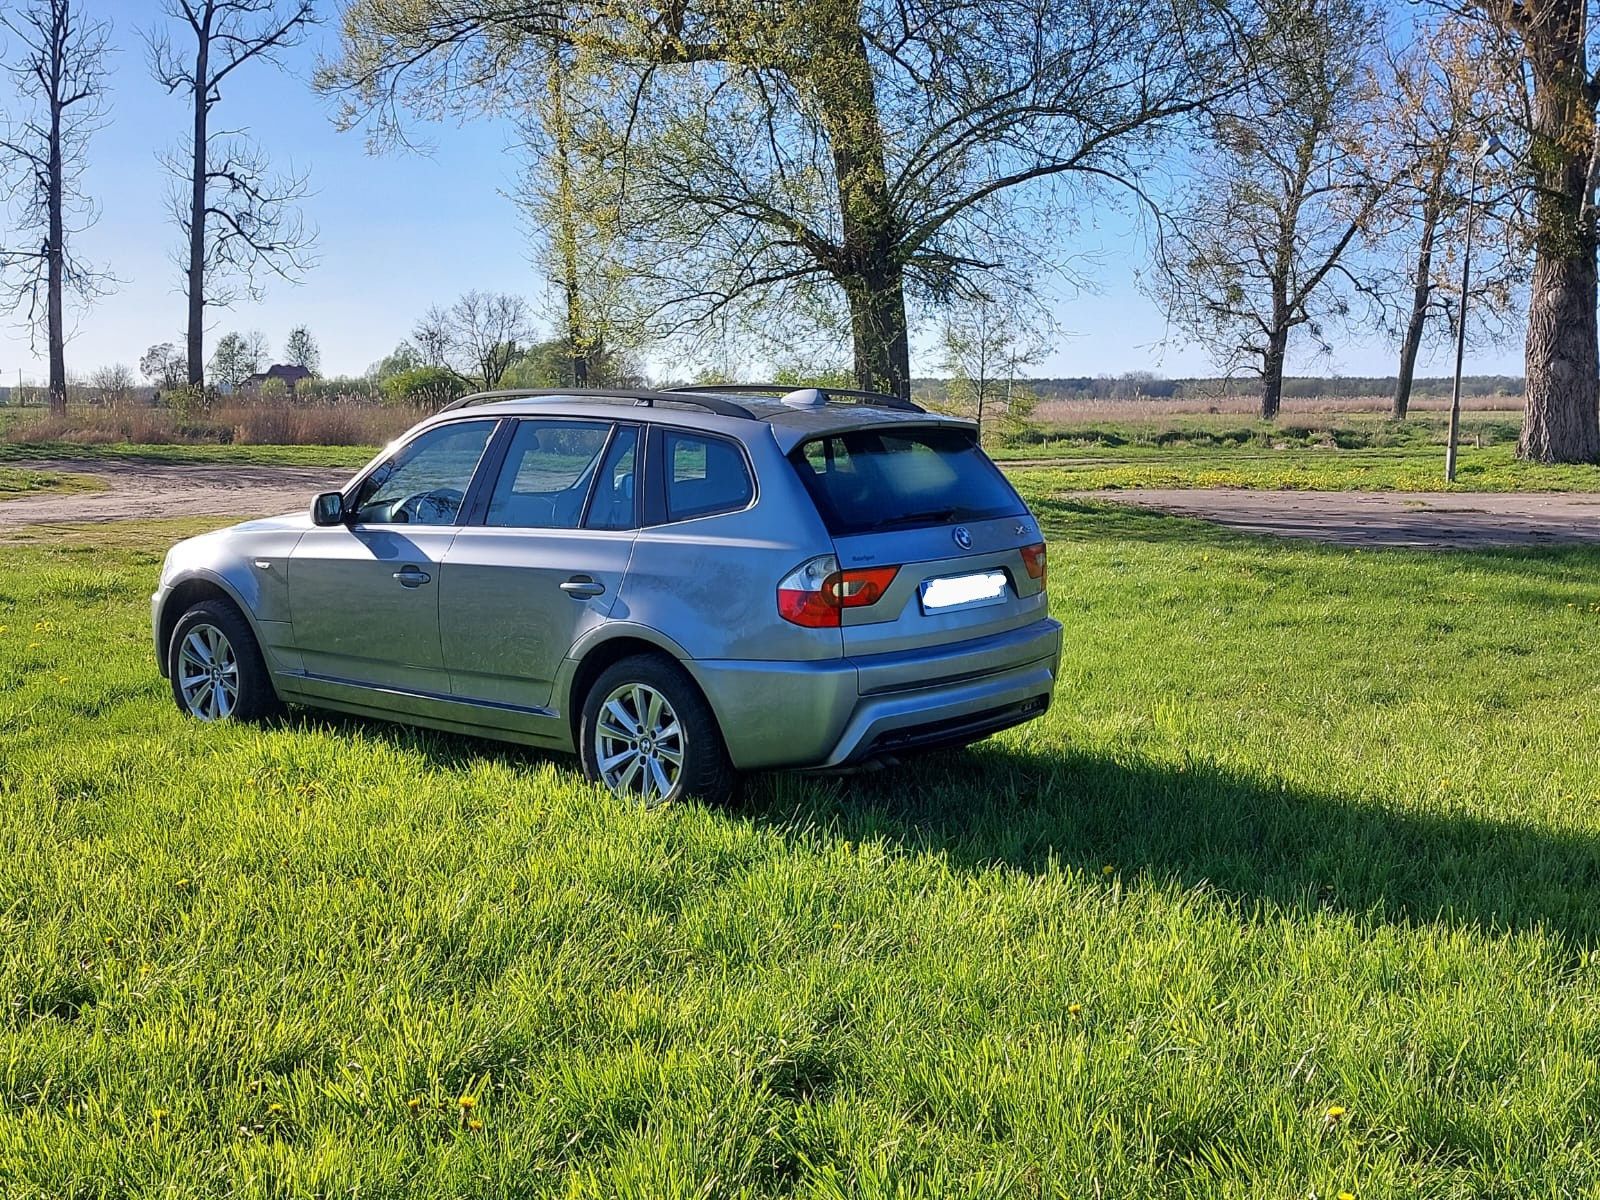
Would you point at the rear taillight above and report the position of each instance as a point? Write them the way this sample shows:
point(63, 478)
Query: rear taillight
point(816, 593)
point(1033, 558)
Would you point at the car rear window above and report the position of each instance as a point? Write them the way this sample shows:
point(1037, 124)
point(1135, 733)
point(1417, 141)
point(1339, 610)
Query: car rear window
point(872, 479)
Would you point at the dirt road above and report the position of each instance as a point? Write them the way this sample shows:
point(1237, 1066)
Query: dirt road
point(144, 490)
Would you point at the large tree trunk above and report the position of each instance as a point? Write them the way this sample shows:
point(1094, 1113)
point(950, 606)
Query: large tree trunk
point(578, 341)
point(1272, 372)
point(870, 270)
point(1561, 423)
point(55, 257)
point(196, 283)
point(1416, 322)
point(879, 334)
point(1562, 418)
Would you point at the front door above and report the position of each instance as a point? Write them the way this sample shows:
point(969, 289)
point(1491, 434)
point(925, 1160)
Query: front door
point(364, 596)
point(546, 564)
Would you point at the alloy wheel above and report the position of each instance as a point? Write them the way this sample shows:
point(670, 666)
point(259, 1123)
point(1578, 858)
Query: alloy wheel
point(208, 673)
point(639, 742)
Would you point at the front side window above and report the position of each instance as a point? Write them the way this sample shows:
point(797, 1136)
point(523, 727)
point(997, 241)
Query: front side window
point(704, 475)
point(547, 474)
point(426, 480)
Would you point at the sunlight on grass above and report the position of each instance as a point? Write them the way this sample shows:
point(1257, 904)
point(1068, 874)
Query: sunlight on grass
point(1296, 890)
point(16, 482)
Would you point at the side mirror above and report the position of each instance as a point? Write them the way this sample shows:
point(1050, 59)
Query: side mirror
point(328, 509)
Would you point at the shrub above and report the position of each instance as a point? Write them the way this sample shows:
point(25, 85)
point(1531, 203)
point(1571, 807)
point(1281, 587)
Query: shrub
point(426, 387)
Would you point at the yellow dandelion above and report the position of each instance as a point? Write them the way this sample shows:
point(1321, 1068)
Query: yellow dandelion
point(414, 1103)
point(468, 1101)
point(1347, 1196)
point(184, 882)
point(1335, 1113)
point(274, 1108)
point(474, 1124)
point(1074, 1009)
point(1108, 869)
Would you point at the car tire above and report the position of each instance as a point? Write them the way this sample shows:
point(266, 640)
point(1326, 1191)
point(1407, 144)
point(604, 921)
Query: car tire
point(215, 666)
point(634, 757)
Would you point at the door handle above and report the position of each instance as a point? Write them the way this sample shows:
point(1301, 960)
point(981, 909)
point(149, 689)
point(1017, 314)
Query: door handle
point(412, 577)
point(580, 587)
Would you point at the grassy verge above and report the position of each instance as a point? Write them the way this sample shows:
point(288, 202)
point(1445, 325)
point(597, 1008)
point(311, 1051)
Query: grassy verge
point(273, 456)
point(1489, 469)
point(15, 482)
point(1345, 452)
point(1295, 891)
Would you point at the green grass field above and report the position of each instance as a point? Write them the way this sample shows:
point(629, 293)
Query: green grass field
point(17, 481)
point(1338, 452)
point(271, 456)
point(1295, 892)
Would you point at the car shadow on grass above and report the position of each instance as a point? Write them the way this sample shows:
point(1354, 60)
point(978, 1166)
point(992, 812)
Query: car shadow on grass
point(1253, 839)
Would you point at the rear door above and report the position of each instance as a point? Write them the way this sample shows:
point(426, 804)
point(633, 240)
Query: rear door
point(546, 564)
point(928, 501)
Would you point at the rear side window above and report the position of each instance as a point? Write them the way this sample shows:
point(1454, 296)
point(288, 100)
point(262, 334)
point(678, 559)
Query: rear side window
point(703, 475)
point(870, 479)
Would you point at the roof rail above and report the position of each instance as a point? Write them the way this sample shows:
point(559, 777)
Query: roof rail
point(875, 399)
point(639, 398)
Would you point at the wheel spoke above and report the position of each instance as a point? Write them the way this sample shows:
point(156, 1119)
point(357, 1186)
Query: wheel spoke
point(652, 719)
point(608, 765)
point(620, 715)
point(670, 756)
point(626, 781)
point(196, 645)
point(663, 784)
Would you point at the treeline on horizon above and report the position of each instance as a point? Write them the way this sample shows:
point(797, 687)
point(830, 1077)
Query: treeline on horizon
point(1144, 386)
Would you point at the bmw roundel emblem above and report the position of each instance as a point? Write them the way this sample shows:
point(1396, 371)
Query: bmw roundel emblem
point(963, 537)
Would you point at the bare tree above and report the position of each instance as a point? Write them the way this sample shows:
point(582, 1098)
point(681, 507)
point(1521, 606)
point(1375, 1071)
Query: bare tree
point(1442, 92)
point(112, 385)
point(239, 218)
point(163, 365)
point(302, 350)
point(873, 153)
point(984, 343)
point(432, 337)
point(488, 332)
point(1257, 245)
point(61, 72)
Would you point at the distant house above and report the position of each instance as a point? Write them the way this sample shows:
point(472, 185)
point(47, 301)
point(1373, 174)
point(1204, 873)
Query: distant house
point(290, 375)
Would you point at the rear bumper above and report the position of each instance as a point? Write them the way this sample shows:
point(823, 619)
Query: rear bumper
point(845, 712)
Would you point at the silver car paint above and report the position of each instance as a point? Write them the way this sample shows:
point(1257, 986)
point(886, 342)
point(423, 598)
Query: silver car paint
point(508, 643)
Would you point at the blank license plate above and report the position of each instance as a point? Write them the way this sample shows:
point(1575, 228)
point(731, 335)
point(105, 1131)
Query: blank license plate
point(964, 591)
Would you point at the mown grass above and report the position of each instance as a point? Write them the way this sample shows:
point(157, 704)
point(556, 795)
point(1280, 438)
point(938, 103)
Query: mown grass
point(272, 456)
point(1489, 469)
point(1296, 891)
point(15, 481)
point(1334, 452)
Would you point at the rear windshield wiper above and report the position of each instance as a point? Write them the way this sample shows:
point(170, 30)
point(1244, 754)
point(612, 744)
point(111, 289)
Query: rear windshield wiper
point(932, 516)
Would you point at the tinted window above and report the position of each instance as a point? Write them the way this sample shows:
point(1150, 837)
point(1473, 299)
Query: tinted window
point(704, 475)
point(613, 503)
point(546, 475)
point(902, 478)
point(425, 481)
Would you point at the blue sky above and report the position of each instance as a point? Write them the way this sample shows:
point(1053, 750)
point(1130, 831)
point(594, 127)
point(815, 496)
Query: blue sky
point(401, 231)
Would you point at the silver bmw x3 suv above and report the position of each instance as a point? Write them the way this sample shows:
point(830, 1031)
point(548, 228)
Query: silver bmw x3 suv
point(676, 586)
